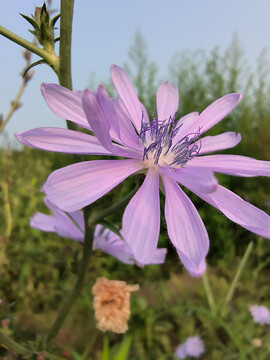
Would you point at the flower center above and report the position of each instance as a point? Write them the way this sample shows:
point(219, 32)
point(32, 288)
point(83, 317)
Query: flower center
point(161, 147)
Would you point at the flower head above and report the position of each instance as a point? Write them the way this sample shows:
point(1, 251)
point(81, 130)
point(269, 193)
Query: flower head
point(193, 347)
point(260, 314)
point(111, 304)
point(71, 225)
point(166, 148)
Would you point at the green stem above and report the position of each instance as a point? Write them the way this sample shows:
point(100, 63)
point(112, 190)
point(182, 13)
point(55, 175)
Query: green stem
point(106, 349)
point(90, 344)
point(209, 293)
point(7, 208)
point(65, 43)
point(66, 81)
point(50, 58)
point(235, 281)
point(87, 249)
point(13, 345)
point(65, 78)
point(14, 106)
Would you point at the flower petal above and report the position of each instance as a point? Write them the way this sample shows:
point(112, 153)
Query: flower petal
point(223, 141)
point(127, 95)
point(215, 112)
point(141, 219)
point(62, 140)
point(69, 225)
point(65, 103)
point(77, 185)
point(203, 180)
point(159, 256)
point(61, 225)
point(167, 99)
point(78, 217)
point(43, 222)
point(232, 165)
point(239, 210)
point(96, 118)
point(128, 135)
point(121, 129)
point(185, 228)
point(185, 123)
point(107, 107)
point(111, 244)
point(99, 123)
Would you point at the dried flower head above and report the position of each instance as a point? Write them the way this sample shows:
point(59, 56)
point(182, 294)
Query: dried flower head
point(111, 304)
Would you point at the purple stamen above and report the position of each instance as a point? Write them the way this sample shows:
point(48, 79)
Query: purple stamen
point(162, 134)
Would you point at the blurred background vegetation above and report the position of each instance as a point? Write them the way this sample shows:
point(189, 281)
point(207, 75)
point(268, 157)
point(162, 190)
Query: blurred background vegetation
point(37, 269)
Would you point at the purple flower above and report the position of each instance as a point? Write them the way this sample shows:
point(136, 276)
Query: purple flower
point(193, 347)
point(165, 147)
point(67, 225)
point(260, 314)
point(71, 226)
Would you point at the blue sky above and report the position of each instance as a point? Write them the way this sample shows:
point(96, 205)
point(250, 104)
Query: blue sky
point(103, 32)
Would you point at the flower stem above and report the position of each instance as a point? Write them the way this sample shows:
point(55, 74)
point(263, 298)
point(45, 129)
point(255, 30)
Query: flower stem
point(65, 80)
point(209, 293)
point(87, 249)
point(90, 344)
point(235, 281)
point(65, 43)
point(7, 208)
point(50, 58)
point(13, 345)
point(14, 106)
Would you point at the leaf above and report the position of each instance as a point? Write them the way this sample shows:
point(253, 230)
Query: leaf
point(31, 21)
point(124, 349)
point(105, 351)
point(32, 65)
point(108, 225)
point(76, 356)
point(53, 21)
